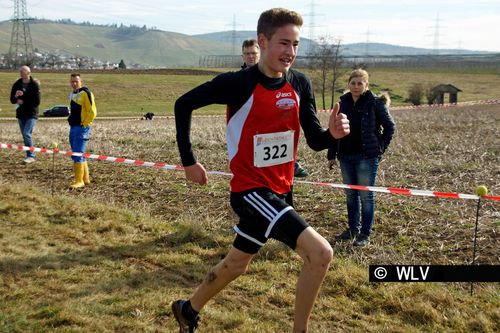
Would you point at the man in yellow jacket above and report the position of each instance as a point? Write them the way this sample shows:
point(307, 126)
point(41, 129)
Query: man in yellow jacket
point(83, 113)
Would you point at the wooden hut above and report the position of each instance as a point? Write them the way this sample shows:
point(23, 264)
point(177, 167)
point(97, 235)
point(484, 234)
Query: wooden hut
point(441, 89)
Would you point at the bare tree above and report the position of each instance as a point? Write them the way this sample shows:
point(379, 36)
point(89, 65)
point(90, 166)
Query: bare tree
point(319, 62)
point(338, 70)
point(325, 63)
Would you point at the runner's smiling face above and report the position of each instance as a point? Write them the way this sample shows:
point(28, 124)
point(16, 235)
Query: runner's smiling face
point(279, 52)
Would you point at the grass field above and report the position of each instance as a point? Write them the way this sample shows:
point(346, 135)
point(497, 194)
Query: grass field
point(133, 95)
point(116, 94)
point(111, 257)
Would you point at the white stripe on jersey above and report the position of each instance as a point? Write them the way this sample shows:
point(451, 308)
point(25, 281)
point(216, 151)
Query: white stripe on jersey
point(297, 96)
point(235, 127)
point(268, 211)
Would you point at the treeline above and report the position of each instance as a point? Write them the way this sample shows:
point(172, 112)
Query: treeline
point(120, 27)
point(129, 31)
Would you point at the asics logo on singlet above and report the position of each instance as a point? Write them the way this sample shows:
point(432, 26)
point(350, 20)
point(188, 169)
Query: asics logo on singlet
point(283, 94)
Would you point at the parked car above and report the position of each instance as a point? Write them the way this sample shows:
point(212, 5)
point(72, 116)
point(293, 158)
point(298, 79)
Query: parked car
point(57, 111)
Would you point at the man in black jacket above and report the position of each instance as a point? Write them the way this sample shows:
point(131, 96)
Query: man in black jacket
point(25, 94)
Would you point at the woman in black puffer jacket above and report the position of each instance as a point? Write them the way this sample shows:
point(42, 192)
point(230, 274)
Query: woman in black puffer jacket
point(359, 153)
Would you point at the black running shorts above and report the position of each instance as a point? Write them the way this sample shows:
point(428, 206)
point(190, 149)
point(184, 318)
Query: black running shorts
point(263, 215)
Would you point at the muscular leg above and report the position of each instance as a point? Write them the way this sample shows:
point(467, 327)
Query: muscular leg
point(317, 254)
point(233, 265)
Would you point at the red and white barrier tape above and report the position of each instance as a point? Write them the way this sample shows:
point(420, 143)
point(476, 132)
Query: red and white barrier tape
point(178, 167)
point(426, 106)
point(92, 156)
point(404, 191)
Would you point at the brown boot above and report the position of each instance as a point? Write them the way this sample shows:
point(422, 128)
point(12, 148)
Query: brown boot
point(79, 170)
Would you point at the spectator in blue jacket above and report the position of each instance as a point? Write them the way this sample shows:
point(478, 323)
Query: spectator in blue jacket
point(359, 153)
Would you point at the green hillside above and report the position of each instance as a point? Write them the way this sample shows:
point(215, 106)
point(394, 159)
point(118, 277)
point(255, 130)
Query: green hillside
point(157, 48)
point(106, 43)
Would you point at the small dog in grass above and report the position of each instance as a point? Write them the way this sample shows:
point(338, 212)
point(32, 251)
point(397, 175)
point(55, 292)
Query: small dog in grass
point(148, 116)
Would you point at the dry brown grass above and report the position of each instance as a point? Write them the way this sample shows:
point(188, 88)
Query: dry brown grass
point(451, 150)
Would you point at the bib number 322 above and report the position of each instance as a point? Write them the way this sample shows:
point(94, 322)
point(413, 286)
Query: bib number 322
point(273, 148)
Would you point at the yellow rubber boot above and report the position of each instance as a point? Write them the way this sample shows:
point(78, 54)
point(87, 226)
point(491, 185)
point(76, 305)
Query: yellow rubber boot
point(86, 175)
point(79, 170)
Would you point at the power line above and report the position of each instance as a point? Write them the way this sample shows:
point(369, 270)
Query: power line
point(21, 44)
point(436, 35)
point(311, 26)
point(367, 41)
point(234, 37)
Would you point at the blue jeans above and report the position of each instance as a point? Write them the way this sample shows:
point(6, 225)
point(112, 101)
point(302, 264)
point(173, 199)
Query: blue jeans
point(26, 126)
point(358, 170)
point(78, 138)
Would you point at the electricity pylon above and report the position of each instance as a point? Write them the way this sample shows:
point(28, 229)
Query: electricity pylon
point(21, 45)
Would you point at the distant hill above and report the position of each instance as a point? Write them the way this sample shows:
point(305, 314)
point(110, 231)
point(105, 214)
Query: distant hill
point(381, 49)
point(150, 47)
point(133, 45)
point(239, 36)
point(354, 49)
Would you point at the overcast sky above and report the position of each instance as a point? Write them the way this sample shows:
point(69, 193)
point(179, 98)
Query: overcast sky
point(471, 25)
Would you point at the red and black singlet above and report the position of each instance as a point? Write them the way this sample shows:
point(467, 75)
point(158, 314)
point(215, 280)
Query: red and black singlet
point(264, 116)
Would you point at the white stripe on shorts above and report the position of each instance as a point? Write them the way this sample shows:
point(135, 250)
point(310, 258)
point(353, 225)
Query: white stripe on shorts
point(268, 211)
point(250, 238)
point(276, 218)
point(261, 205)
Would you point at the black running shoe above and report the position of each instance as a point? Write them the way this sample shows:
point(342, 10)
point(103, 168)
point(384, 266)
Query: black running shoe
point(185, 325)
point(347, 235)
point(362, 240)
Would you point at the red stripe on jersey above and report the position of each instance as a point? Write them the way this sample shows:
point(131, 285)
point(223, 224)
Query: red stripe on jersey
point(267, 111)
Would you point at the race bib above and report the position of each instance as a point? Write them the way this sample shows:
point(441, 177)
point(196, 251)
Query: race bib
point(273, 148)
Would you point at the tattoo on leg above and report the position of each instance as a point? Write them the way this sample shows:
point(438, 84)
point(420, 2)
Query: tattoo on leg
point(211, 276)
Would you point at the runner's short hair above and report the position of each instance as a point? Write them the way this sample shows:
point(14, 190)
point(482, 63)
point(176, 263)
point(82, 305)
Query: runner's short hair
point(272, 19)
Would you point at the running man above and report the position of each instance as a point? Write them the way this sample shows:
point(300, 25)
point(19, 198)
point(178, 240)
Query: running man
point(250, 52)
point(266, 105)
